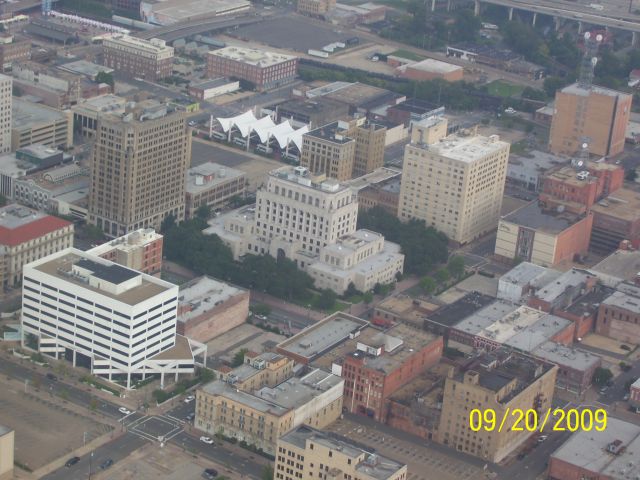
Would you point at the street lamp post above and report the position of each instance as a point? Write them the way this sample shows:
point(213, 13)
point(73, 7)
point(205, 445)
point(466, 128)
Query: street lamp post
point(90, 461)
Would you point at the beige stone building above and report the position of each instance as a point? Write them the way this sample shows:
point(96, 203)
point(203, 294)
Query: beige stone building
point(307, 453)
point(260, 418)
point(6, 110)
point(267, 369)
point(139, 162)
point(454, 183)
point(502, 382)
point(601, 114)
point(315, 7)
point(37, 124)
point(212, 185)
point(27, 235)
point(344, 149)
point(6, 452)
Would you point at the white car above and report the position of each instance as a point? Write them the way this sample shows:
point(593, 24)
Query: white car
point(206, 440)
point(189, 399)
point(510, 111)
point(124, 411)
point(542, 438)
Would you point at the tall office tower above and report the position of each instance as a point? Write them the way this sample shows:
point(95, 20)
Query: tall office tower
point(139, 164)
point(454, 183)
point(597, 116)
point(6, 86)
point(370, 139)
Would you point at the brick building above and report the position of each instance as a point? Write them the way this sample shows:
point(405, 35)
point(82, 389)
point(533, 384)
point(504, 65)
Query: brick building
point(264, 69)
point(616, 218)
point(208, 308)
point(377, 363)
point(139, 250)
point(212, 185)
point(13, 49)
point(148, 59)
point(619, 315)
point(634, 394)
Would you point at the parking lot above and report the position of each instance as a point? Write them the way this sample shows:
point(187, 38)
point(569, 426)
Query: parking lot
point(45, 429)
point(293, 33)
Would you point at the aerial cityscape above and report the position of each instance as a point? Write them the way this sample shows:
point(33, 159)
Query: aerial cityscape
point(320, 239)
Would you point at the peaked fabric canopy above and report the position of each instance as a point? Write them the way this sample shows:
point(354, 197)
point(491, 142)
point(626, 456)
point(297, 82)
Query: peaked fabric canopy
point(283, 133)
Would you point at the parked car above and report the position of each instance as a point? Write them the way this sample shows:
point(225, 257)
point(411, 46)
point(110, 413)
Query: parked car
point(189, 399)
point(625, 347)
point(542, 438)
point(190, 417)
point(52, 377)
point(510, 111)
point(207, 440)
point(124, 411)
point(210, 473)
point(71, 462)
point(106, 464)
point(626, 397)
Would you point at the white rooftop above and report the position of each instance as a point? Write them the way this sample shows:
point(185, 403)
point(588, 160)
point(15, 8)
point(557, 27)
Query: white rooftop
point(562, 355)
point(467, 149)
point(203, 294)
point(252, 56)
point(552, 290)
point(208, 175)
point(432, 65)
point(523, 273)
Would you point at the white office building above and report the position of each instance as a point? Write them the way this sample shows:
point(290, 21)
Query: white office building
point(119, 323)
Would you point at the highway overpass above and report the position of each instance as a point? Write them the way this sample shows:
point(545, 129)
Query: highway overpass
point(194, 27)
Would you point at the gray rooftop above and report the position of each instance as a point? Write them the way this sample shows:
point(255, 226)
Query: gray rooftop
point(213, 83)
point(533, 216)
point(4, 430)
point(296, 392)
point(14, 216)
point(567, 356)
point(203, 294)
point(196, 177)
point(588, 450)
point(113, 273)
point(84, 67)
point(373, 465)
point(539, 333)
point(523, 273)
point(624, 301)
point(224, 389)
point(622, 264)
point(318, 338)
point(486, 316)
point(30, 115)
point(553, 289)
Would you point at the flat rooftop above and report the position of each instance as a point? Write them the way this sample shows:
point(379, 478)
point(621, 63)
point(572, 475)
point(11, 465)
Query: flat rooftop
point(576, 89)
point(588, 450)
point(227, 390)
point(83, 67)
point(313, 341)
point(308, 106)
point(378, 176)
point(435, 66)
point(330, 133)
point(523, 273)
point(59, 266)
point(302, 176)
point(568, 176)
point(467, 149)
point(623, 301)
point(366, 462)
point(203, 294)
point(153, 45)
point(452, 314)
point(550, 291)
point(623, 204)
point(28, 115)
point(407, 308)
point(213, 83)
point(252, 56)
point(299, 391)
point(400, 342)
point(103, 103)
point(567, 356)
point(532, 215)
point(208, 175)
point(184, 10)
point(623, 264)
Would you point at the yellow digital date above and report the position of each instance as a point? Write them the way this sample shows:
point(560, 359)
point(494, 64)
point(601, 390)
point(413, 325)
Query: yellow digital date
point(531, 420)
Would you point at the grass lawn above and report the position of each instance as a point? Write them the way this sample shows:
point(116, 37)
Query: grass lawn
point(407, 54)
point(504, 89)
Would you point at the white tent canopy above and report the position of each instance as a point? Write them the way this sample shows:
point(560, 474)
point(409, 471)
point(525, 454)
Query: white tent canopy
point(265, 128)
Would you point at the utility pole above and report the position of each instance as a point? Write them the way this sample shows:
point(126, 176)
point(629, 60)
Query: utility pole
point(90, 461)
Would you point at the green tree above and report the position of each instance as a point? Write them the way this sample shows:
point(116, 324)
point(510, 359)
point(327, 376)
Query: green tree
point(104, 77)
point(203, 212)
point(327, 299)
point(428, 284)
point(206, 375)
point(168, 223)
point(455, 266)
point(3, 200)
point(552, 84)
point(267, 472)
point(631, 175)
point(367, 297)
point(261, 309)
point(601, 376)
point(442, 275)
point(238, 358)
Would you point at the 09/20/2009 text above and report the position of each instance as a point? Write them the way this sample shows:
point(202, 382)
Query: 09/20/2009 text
point(518, 420)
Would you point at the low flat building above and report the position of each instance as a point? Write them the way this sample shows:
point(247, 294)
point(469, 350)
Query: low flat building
point(172, 11)
point(208, 308)
point(556, 292)
point(620, 266)
point(359, 97)
point(377, 363)
point(610, 454)
point(502, 381)
point(380, 188)
point(40, 190)
point(213, 88)
point(615, 219)
point(583, 310)
point(7, 447)
point(319, 454)
point(312, 112)
point(315, 340)
point(27, 235)
point(542, 237)
point(402, 309)
point(519, 327)
point(575, 367)
point(88, 69)
point(268, 413)
point(38, 124)
point(514, 285)
point(212, 185)
point(528, 172)
point(267, 369)
point(445, 318)
point(140, 250)
point(619, 315)
point(430, 69)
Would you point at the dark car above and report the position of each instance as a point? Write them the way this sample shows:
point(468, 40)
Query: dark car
point(72, 461)
point(190, 417)
point(210, 473)
point(106, 464)
point(521, 455)
point(52, 377)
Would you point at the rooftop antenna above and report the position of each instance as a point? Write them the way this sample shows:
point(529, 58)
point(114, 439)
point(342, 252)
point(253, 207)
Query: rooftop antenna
point(589, 59)
point(580, 161)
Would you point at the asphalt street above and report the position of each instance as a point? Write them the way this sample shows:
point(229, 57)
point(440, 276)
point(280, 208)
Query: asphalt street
point(115, 450)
